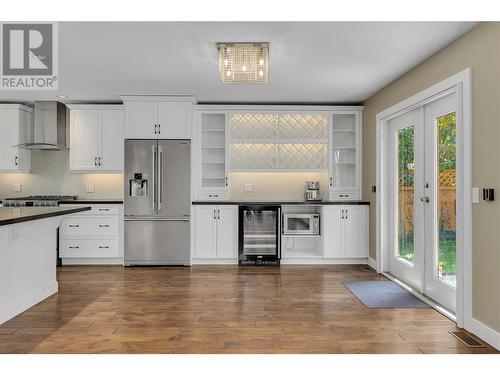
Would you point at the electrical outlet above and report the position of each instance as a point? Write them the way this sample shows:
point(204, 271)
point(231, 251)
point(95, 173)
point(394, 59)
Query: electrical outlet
point(248, 188)
point(17, 188)
point(89, 188)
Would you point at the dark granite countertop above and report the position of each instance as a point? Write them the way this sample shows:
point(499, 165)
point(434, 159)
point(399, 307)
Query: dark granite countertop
point(280, 203)
point(14, 215)
point(93, 201)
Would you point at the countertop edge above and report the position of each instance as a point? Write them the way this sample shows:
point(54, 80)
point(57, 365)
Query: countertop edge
point(310, 203)
point(45, 215)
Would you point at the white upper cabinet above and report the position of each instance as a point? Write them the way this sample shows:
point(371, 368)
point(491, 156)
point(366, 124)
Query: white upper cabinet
point(158, 117)
point(96, 138)
point(213, 152)
point(16, 124)
point(345, 156)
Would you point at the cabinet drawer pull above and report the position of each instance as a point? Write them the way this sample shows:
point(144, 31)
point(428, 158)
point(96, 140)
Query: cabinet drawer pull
point(74, 247)
point(103, 225)
point(103, 209)
point(103, 247)
point(74, 226)
point(213, 195)
point(344, 195)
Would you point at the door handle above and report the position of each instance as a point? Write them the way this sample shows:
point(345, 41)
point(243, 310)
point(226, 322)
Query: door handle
point(160, 177)
point(218, 214)
point(16, 158)
point(342, 214)
point(95, 161)
point(215, 215)
point(331, 181)
point(425, 199)
point(226, 181)
point(159, 128)
point(100, 161)
point(346, 213)
point(156, 129)
point(154, 175)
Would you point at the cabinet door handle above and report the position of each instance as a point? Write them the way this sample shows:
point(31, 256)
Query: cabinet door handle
point(159, 128)
point(331, 181)
point(74, 247)
point(103, 225)
point(100, 160)
point(346, 214)
point(215, 215)
point(95, 161)
point(103, 247)
point(156, 129)
point(15, 160)
point(74, 226)
point(342, 214)
point(226, 181)
point(218, 214)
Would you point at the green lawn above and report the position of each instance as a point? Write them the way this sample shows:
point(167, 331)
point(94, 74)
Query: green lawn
point(447, 254)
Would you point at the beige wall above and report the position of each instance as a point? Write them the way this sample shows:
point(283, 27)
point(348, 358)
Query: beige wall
point(274, 186)
point(480, 50)
point(50, 174)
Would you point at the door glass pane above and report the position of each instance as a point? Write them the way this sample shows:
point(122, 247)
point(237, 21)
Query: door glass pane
point(406, 167)
point(447, 245)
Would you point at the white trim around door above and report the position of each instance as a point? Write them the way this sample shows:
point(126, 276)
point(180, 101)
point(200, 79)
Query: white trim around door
point(459, 83)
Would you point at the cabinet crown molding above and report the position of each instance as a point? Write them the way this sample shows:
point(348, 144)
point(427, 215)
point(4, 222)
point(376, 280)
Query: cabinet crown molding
point(159, 98)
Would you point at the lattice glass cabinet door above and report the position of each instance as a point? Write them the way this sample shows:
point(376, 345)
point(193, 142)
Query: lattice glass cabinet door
point(345, 171)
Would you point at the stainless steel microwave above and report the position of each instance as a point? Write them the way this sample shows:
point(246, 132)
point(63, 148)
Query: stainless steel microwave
point(301, 224)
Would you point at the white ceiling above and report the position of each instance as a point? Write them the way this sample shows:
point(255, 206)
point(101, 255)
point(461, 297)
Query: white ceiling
point(322, 62)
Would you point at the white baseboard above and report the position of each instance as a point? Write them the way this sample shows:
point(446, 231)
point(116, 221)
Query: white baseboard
point(319, 261)
point(485, 333)
point(225, 261)
point(13, 308)
point(91, 261)
point(372, 263)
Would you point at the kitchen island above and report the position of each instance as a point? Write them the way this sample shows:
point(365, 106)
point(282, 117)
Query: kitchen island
point(28, 242)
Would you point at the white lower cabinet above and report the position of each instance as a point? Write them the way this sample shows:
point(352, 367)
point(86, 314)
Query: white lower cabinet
point(345, 229)
point(215, 233)
point(92, 237)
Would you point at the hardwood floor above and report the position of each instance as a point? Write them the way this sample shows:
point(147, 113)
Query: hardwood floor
point(221, 309)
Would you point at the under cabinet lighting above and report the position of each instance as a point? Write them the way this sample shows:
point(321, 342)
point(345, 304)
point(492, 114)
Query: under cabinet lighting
point(243, 62)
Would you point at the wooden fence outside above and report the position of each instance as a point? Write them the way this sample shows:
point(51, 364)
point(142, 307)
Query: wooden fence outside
point(447, 201)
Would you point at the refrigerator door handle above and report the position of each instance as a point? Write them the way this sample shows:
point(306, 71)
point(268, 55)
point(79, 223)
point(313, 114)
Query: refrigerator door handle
point(154, 178)
point(156, 218)
point(160, 177)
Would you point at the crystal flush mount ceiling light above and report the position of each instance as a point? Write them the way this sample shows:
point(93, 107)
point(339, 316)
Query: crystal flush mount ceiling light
point(243, 62)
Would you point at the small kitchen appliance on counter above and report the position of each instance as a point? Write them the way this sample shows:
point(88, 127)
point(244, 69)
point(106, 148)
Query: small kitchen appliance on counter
point(312, 191)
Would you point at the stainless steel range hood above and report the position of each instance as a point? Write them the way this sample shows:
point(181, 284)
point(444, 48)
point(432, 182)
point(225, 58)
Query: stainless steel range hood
point(50, 127)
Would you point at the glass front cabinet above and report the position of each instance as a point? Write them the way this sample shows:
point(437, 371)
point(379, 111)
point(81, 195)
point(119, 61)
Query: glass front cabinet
point(345, 156)
point(213, 156)
point(261, 139)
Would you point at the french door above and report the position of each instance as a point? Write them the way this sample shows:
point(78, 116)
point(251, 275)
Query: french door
point(422, 172)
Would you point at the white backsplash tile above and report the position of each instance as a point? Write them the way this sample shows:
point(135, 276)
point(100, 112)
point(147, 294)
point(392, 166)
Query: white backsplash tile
point(50, 174)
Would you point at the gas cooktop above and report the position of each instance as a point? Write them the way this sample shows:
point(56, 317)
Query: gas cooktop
point(38, 200)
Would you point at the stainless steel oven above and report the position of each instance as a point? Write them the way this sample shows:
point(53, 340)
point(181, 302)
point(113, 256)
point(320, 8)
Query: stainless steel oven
point(306, 224)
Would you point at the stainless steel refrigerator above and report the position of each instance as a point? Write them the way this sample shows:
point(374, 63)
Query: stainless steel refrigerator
point(157, 202)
